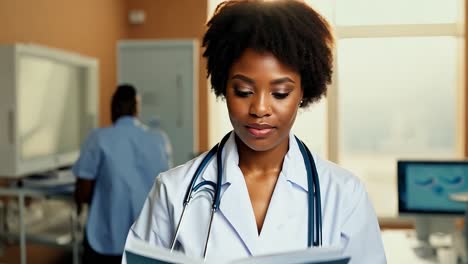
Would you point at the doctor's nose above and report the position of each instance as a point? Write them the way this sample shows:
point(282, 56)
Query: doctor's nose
point(260, 106)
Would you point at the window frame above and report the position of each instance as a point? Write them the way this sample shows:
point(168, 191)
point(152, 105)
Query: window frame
point(456, 29)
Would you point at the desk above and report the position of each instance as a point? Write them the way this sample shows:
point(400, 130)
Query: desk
point(55, 193)
point(463, 198)
point(399, 248)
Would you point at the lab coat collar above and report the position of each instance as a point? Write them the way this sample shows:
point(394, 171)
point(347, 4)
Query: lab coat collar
point(294, 169)
point(293, 165)
point(235, 202)
point(230, 163)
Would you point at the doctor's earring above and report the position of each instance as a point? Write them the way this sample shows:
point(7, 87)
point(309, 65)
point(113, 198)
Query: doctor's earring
point(301, 102)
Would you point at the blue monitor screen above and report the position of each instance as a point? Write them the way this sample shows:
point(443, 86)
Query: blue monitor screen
point(424, 187)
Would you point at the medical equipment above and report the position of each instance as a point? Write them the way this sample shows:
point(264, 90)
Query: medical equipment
point(424, 186)
point(425, 192)
point(315, 215)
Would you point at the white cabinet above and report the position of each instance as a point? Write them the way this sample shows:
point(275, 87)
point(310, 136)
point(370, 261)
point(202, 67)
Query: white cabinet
point(48, 104)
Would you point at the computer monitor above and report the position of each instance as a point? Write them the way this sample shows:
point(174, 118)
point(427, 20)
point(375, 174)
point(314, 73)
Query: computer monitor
point(424, 187)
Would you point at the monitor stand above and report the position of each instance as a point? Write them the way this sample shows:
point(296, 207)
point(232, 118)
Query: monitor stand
point(423, 249)
point(428, 225)
point(463, 198)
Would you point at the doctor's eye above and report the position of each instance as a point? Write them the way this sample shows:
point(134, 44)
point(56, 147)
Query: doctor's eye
point(242, 92)
point(280, 95)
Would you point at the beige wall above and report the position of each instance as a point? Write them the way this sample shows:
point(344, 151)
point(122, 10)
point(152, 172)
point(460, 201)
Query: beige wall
point(172, 19)
point(89, 27)
point(464, 118)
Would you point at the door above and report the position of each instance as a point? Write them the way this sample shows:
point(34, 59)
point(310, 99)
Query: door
point(165, 74)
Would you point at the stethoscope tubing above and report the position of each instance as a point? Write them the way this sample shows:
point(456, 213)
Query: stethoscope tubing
point(193, 188)
point(313, 195)
point(314, 236)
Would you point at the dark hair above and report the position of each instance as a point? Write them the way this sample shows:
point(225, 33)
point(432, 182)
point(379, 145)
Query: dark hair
point(290, 30)
point(124, 102)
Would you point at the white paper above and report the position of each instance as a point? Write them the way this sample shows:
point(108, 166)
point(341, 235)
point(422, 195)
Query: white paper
point(140, 252)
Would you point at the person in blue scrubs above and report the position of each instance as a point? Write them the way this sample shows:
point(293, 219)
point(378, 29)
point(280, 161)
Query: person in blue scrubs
point(115, 171)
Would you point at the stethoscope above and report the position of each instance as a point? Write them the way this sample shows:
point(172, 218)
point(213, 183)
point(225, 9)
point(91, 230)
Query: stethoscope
point(314, 206)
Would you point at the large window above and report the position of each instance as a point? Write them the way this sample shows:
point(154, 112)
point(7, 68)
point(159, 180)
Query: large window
point(394, 94)
point(397, 75)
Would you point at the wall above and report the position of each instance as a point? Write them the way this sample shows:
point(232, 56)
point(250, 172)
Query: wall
point(88, 27)
point(172, 20)
point(464, 94)
point(92, 28)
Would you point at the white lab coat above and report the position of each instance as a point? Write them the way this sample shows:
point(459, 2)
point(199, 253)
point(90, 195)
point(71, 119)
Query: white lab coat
point(347, 214)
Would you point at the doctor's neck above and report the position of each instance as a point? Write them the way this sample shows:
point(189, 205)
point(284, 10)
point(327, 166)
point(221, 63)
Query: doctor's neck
point(266, 162)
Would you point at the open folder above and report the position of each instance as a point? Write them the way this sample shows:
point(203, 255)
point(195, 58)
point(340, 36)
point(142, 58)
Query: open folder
point(140, 252)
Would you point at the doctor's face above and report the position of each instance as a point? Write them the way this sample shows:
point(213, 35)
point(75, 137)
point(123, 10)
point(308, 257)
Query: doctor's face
point(263, 97)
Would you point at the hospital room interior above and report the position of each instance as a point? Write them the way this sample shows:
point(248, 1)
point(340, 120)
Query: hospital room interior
point(395, 113)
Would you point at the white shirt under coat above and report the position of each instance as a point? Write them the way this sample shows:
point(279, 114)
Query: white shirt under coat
point(348, 217)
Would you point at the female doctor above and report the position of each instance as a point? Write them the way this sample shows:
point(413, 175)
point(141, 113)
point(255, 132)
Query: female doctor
point(267, 59)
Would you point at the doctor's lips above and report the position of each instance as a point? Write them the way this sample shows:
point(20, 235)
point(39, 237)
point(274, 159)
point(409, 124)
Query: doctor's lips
point(259, 130)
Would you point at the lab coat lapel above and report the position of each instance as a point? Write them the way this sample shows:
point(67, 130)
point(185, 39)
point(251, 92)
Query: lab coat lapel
point(287, 212)
point(237, 209)
point(235, 205)
point(279, 215)
point(287, 209)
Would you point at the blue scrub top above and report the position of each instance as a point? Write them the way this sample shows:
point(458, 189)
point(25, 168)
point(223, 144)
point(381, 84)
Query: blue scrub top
point(124, 160)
